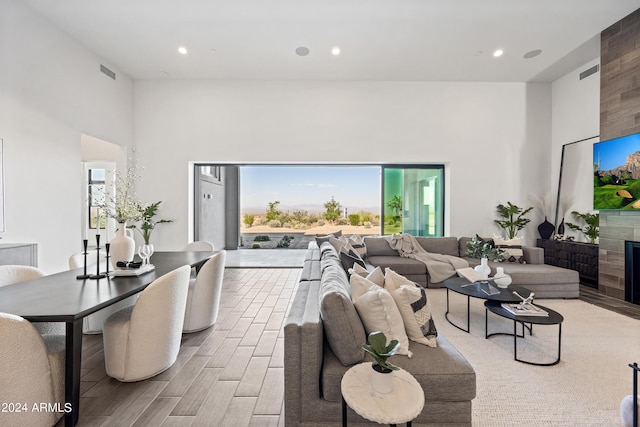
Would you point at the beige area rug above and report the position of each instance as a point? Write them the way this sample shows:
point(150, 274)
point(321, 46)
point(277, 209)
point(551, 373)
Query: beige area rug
point(584, 389)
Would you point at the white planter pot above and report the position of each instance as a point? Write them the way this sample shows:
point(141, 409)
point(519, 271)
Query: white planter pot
point(381, 382)
point(483, 268)
point(123, 247)
point(501, 279)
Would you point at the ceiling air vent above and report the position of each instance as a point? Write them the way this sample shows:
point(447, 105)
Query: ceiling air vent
point(107, 71)
point(587, 73)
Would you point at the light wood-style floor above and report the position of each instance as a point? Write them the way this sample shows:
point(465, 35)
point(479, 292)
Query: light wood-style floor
point(231, 374)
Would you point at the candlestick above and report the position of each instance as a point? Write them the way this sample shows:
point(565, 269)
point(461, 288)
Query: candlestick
point(85, 242)
point(98, 275)
point(107, 246)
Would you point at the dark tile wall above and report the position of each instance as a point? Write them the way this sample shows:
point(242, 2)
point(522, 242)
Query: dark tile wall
point(619, 116)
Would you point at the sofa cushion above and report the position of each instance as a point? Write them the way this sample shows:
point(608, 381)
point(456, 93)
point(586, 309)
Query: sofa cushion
point(357, 243)
point(348, 258)
point(403, 266)
point(320, 239)
point(440, 245)
point(379, 246)
point(342, 325)
point(444, 374)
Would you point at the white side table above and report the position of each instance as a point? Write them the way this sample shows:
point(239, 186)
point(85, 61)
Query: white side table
point(402, 405)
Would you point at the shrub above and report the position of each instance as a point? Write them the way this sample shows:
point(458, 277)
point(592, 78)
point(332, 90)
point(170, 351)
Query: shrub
point(286, 225)
point(375, 221)
point(367, 224)
point(285, 241)
point(354, 219)
point(343, 221)
point(261, 238)
point(255, 245)
point(321, 222)
point(275, 223)
point(248, 219)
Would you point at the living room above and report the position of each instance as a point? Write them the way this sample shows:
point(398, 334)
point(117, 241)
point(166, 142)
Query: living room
point(505, 134)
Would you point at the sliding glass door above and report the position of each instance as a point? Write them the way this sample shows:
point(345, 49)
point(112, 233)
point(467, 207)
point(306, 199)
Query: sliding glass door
point(413, 200)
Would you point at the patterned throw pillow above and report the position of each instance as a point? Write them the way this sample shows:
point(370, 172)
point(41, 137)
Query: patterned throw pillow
point(348, 257)
point(415, 308)
point(513, 247)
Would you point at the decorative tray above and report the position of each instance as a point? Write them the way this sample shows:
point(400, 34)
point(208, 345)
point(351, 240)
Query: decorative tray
point(133, 271)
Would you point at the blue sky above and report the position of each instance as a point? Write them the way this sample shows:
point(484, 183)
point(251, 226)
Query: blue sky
point(351, 186)
point(613, 153)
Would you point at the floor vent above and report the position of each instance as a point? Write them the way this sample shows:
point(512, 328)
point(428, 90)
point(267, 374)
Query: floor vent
point(107, 71)
point(587, 73)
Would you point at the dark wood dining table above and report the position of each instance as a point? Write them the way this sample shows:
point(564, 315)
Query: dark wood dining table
point(61, 297)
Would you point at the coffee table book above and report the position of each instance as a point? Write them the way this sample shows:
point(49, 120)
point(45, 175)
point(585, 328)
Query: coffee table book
point(526, 310)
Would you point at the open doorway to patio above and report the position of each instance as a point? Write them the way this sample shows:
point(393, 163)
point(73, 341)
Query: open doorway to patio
point(285, 206)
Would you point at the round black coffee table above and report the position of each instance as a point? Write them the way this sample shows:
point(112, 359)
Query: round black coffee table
point(554, 318)
point(484, 290)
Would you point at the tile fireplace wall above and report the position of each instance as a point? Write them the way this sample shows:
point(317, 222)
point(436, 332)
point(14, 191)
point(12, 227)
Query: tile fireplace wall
point(619, 116)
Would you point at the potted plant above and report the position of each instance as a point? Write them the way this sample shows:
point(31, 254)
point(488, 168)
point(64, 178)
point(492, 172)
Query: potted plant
point(148, 223)
point(513, 218)
point(380, 350)
point(479, 248)
point(591, 226)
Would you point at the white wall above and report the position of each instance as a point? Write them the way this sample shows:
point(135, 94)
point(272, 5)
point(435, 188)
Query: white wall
point(51, 92)
point(575, 116)
point(493, 137)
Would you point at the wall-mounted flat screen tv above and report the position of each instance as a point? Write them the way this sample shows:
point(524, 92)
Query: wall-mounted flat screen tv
point(616, 181)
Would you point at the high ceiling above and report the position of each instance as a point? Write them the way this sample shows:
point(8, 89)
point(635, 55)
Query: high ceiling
point(433, 40)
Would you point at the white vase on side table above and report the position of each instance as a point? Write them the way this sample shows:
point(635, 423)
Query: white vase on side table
point(483, 268)
point(123, 247)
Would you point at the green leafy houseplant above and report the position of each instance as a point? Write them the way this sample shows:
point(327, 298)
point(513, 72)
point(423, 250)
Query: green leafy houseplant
point(590, 227)
point(513, 218)
point(378, 348)
point(148, 223)
point(478, 248)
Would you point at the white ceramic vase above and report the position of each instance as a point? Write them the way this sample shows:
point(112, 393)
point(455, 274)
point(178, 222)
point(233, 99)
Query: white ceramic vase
point(382, 382)
point(123, 247)
point(483, 268)
point(501, 279)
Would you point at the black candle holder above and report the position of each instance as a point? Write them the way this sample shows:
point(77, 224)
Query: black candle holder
point(84, 254)
point(107, 246)
point(98, 275)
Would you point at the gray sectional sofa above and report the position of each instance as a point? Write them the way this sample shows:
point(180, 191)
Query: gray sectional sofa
point(547, 281)
point(322, 338)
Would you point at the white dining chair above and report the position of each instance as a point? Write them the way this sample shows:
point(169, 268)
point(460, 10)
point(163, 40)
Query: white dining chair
point(31, 373)
point(203, 299)
point(10, 274)
point(199, 246)
point(143, 340)
point(93, 323)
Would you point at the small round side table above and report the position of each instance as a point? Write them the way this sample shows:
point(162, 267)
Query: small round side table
point(402, 405)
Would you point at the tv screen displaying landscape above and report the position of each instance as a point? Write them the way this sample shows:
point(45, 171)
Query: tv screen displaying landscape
point(616, 181)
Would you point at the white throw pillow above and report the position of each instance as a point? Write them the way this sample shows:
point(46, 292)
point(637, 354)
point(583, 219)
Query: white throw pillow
point(359, 270)
point(379, 312)
point(414, 307)
point(357, 243)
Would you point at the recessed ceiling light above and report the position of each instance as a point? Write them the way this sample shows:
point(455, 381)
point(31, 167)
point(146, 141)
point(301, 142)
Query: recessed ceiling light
point(213, 51)
point(302, 51)
point(164, 74)
point(532, 54)
point(335, 51)
point(182, 50)
point(498, 53)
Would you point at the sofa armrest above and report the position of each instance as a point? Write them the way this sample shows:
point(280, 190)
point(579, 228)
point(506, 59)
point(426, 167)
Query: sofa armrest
point(533, 255)
point(303, 347)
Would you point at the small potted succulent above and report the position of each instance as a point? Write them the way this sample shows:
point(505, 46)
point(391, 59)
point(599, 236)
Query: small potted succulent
point(380, 350)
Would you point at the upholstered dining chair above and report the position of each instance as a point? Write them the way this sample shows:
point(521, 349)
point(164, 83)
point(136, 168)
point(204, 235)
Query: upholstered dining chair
point(10, 274)
point(143, 340)
point(203, 299)
point(31, 372)
point(200, 246)
point(93, 323)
